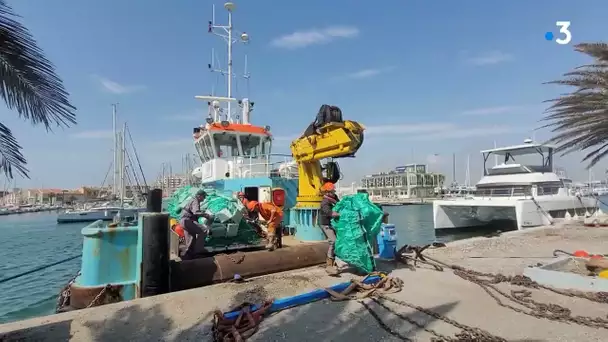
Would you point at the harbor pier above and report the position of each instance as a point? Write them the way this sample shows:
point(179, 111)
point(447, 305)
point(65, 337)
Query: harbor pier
point(187, 315)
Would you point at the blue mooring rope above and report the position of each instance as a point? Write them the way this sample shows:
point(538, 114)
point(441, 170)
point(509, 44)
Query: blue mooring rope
point(39, 268)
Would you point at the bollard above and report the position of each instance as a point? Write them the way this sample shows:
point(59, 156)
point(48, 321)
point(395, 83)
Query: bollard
point(155, 254)
point(154, 202)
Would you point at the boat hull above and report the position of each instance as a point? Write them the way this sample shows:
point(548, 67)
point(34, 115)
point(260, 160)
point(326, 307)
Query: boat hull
point(92, 216)
point(525, 212)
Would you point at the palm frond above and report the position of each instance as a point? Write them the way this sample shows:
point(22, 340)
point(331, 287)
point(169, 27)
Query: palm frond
point(28, 84)
point(10, 153)
point(580, 118)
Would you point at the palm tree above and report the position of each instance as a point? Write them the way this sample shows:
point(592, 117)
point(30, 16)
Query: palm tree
point(29, 85)
point(580, 118)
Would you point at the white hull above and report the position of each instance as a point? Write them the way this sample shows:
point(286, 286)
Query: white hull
point(525, 212)
point(91, 216)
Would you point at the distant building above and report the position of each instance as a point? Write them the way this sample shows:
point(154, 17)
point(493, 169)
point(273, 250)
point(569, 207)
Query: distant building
point(408, 181)
point(171, 183)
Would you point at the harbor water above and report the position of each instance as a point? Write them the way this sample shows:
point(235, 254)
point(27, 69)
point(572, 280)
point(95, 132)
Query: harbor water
point(35, 239)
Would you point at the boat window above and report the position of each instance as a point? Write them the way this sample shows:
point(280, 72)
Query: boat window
point(225, 145)
point(252, 146)
point(503, 191)
point(548, 188)
point(204, 148)
point(266, 145)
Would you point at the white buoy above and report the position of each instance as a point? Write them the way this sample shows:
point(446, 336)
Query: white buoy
point(568, 217)
point(599, 212)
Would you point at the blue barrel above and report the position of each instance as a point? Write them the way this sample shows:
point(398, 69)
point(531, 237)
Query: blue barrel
point(387, 241)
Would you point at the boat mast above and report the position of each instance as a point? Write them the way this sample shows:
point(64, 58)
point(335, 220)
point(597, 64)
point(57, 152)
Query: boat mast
point(115, 150)
point(454, 169)
point(467, 178)
point(228, 36)
point(122, 165)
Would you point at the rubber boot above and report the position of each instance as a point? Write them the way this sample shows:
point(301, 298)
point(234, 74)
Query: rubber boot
point(271, 245)
point(331, 267)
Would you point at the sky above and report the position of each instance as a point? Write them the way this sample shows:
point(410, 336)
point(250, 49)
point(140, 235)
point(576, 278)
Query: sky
point(428, 79)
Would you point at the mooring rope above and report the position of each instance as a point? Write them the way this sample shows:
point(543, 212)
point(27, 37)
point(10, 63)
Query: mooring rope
point(39, 268)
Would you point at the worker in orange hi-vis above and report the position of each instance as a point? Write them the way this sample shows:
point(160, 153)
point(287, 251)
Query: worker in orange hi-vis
point(271, 215)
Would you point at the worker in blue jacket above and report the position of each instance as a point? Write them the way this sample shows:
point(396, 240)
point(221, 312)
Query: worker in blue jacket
point(326, 215)
point(193, 230)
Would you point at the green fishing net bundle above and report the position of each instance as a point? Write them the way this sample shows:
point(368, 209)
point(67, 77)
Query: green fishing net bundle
point(215, 202)
point(356, 229)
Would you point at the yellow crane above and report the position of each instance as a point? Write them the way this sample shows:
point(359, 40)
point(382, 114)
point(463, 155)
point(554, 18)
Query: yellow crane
point(325, 139)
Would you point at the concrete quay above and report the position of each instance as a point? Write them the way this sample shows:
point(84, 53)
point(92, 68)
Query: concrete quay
point(186, 315)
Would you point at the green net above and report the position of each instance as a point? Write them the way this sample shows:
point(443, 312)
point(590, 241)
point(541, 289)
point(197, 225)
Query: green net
point(225, 207)
point(359, 224)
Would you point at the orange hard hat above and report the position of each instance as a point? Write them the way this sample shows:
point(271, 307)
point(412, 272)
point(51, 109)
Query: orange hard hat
point(251, 205)
point(328, 186)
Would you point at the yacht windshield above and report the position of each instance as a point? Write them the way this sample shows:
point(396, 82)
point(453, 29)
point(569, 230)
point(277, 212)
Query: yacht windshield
point(518, 159)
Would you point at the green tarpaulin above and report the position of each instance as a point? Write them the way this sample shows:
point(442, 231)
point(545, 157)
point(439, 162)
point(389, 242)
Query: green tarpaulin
point(357, 227)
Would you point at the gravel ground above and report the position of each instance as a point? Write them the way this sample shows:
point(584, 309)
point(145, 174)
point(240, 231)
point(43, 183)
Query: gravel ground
point(185, 315)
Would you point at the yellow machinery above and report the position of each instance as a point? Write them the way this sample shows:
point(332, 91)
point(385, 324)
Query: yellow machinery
point(331, 140)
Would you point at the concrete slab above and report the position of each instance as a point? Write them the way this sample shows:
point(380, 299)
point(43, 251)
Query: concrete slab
point(186, 315)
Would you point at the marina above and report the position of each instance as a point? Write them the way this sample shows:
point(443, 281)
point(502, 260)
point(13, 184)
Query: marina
point(177, 316)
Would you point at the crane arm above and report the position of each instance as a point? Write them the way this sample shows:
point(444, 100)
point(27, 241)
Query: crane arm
point(331, 140)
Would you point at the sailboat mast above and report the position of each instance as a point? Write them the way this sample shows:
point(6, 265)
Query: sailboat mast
point(115, 150)
point(454, 168)
point(122, 165)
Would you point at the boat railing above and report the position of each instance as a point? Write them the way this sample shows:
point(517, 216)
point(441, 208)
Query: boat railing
point(269, 165)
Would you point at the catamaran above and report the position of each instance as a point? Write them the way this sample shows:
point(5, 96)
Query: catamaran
point(529, 195)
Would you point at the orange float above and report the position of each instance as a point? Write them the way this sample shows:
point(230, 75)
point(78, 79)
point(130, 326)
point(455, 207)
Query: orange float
point(581, 254)
point(597, 256)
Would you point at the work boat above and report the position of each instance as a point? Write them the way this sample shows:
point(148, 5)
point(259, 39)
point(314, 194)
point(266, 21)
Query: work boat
point(128, 260)
point(528, 195)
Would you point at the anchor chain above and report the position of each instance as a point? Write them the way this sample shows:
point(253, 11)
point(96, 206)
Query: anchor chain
point(523, 297)
point(378, 292)
point(63, 300)
point(240, 328)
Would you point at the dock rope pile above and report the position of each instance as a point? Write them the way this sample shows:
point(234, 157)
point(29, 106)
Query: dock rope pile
point(522, 297)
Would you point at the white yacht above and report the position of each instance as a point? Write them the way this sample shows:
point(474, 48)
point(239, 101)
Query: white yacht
point(104, 212)
point(529, 195)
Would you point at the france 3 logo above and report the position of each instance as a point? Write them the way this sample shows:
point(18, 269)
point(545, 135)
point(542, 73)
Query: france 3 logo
point(564, 37)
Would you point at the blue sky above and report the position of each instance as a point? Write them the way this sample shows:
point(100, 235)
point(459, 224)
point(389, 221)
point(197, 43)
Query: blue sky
point(428, 78)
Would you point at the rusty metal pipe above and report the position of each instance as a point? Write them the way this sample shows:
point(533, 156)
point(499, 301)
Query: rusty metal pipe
point(189, 274)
